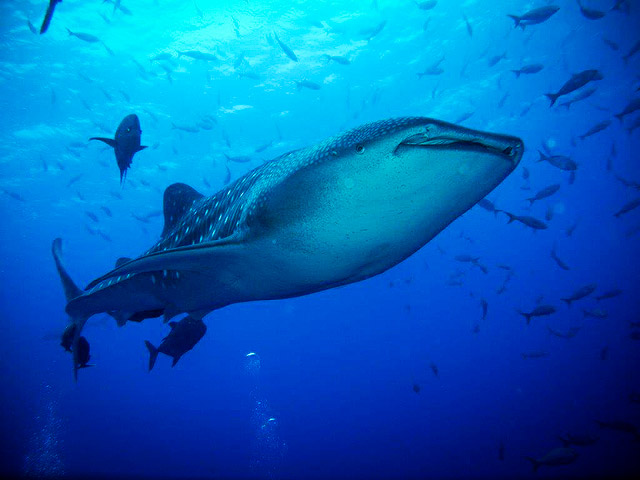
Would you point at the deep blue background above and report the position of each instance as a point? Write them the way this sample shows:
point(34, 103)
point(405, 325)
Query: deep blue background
point(337, 368)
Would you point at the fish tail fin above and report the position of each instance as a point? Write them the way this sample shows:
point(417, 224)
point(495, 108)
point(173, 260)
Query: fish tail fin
point(531, 200)
point(534, 463)
point(619, 116)
point(511, 216)
point(517, 72)
point(567, 301)
point(565, 442)
point(71, 291)
point(516, 19)
point(527, 316)
point(552, 97)
point(69, 31)
point(543, 157)
point(153, 354)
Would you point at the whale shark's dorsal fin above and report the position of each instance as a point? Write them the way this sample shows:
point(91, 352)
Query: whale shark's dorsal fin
point(178, 199)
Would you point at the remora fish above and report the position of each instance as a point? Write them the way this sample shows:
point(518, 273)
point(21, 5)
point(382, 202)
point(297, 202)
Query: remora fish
point(312, 219)
point(184, 335)
point(574, 83)
point(125, 143)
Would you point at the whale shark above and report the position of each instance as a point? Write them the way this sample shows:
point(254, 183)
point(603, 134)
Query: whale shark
point(339, 212)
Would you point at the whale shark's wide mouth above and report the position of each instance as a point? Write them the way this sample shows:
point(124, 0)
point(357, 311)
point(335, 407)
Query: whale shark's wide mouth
point(510, 148)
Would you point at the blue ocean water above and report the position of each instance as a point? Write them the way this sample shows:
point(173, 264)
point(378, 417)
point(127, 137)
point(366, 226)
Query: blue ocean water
point(398, 376)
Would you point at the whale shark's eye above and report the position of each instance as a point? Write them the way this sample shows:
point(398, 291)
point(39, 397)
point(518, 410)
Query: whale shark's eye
point(360, 148)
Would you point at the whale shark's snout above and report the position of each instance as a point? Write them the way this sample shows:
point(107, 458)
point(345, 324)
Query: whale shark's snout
point(440, 135)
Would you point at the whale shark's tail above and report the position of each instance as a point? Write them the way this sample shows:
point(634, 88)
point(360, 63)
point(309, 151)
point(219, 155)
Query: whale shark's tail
point(71, 335)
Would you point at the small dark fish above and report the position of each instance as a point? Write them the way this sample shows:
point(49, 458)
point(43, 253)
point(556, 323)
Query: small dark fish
point(609, 294)
point(82, 354)
point(502, 101)
point(48, 15)
point(528, 69)
point(634, 49)
point(126, 143)
point(612, 155)
point(488, 206)
point(238, 158)
point(185, 128)
point(581, 95)
point(555, 257)
point(198, 55)
point(485, 308)
point(416, 388)
point(427, 4)
point(558, 456)
point(13, 195)
point(628, 207)
point(85, 37)
point(308, 84)
point(604, 353)
point(631, 107)
point(580, 293)
point(106, 211)
point(574, 83)
point(525, 173)
point(526, 220)
point(92, 216)
point(463, 117)
point(590, 13)
point(184, 335)
point(434, 368)
point(558, 161)
point(569, 231)
point(493, 61)
point(620, 426)
point(539, 311)
point(249, 74)
point(74, 180)
point(433, 69)
point(544, 193)
point(468, 25)
point(534, 354)
point(31, 26)
point(595, 313)
point(611, 44)
point(371, 32)
point(598, 127)
point(579, 440)
point(338, 59)
point(548, 215)
point(287, 51)
point(572, 332)
point(534, 17)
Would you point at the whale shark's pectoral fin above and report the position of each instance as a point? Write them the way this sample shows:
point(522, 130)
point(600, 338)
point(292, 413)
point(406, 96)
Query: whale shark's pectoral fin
point(109, 141)
point(201, 257)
